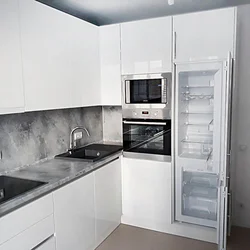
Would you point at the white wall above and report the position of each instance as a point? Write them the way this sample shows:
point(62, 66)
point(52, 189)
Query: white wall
point(241, 116)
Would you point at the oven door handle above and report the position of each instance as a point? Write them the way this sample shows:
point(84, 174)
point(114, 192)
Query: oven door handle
point(145, 123)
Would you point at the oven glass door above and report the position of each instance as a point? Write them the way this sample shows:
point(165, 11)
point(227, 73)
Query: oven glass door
point(145, 91)
point(150, 137)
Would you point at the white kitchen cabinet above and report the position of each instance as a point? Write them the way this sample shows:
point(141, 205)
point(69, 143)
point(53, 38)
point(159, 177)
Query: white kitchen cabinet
point(61, 66)
point(108, 199)
point(110, 60)
point(74, 213)
point(22, 234)
point(146, 200)
point(146, 46)
point(204, 35)
point(11, 83)
point(50, 244)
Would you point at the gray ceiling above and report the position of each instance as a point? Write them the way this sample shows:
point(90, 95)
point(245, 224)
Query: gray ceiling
point(102, 12)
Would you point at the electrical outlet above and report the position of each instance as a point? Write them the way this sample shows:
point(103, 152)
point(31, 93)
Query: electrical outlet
point(78, 136)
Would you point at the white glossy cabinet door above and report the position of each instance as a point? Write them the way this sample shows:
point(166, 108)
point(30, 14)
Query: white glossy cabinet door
point(74, 213)
point(60, 58)
point(146, 189)
point(204, 35)
point(108, 199)
point(11, 84)
point(146, 46)
point(110, 56)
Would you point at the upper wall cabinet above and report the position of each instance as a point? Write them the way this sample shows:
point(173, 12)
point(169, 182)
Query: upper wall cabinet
point(60, 58)
point(204, 35)
point(146, 46)
point(110, 56)
point(12, 96)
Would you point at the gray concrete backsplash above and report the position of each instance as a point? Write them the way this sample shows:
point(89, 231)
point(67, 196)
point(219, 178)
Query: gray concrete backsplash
point(112, 123)
point(28, 138)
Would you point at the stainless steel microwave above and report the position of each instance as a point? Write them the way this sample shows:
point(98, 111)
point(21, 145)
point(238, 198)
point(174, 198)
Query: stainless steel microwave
point(147, 96)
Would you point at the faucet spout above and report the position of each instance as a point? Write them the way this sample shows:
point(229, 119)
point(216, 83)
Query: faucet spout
point(71, 139)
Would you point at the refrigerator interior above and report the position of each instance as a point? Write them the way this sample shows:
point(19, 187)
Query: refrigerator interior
point(196, 99)
point(197, 136)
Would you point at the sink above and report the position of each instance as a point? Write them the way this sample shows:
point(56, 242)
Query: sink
point(91, 153)
point(11, 187)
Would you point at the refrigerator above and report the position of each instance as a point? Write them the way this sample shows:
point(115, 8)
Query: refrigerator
point(203, 93)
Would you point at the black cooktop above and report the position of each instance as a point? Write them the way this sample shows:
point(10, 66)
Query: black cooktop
point(11, 187)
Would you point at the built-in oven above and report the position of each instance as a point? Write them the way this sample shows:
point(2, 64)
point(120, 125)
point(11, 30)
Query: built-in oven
point(147, 96)
point(147, 139)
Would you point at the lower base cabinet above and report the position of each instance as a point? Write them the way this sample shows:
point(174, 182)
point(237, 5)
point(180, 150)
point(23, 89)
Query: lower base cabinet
point(146, 193)
point(108, 199)
point(74, 211)
point(29, 226)
point(87, 210)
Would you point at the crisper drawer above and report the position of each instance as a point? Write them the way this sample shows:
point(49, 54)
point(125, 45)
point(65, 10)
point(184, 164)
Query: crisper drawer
point(23, 218)
point(200, 207)
point(198, 191)
point(200, 195)
point(32, 237)
point(200, 179)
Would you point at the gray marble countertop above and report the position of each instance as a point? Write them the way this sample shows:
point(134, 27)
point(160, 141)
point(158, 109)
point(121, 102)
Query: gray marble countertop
point(55, 173)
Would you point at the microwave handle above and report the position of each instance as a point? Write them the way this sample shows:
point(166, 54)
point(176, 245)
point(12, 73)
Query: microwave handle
point(145, 123)
point(164, 91)
point(127, 91)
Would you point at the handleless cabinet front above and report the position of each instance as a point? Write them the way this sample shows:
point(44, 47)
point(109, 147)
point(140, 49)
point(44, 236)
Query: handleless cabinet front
point(204, 35)
point(75, 215)
point(108, 199)
point(146, 46)
point(11, 84)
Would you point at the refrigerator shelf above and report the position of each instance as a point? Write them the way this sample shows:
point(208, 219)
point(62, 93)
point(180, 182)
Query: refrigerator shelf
point(188, 97)
point(197, 112)
point(198, 86)
point(197, 141)
point(193, 155)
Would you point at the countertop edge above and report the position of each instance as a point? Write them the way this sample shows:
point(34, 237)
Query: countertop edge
point(37, 193)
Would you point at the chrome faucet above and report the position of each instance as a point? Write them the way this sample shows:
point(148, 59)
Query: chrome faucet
point(71, 139)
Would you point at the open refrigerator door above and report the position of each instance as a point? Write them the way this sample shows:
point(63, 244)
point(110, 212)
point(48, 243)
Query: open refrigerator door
point(225, 158)
point(200, 101)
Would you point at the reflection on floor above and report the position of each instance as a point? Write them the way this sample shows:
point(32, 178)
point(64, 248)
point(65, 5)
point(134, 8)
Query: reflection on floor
point(239, 239)
point(133, 238)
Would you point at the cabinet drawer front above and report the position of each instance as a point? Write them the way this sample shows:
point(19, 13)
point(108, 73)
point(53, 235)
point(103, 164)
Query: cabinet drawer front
point(31, 237)
point(48, 245)
point(19, 220)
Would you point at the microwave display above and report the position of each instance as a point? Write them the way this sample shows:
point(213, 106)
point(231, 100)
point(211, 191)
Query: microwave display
point(146, 91)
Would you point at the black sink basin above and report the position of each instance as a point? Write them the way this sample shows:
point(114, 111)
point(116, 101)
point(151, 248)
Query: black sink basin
point(11, 187)
point(91, 153)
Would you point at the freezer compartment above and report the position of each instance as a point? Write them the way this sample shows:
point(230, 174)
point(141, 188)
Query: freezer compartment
point(199, 207)
point(200, 179)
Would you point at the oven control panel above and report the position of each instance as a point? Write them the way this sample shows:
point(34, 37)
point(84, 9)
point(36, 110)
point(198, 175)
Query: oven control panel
point(147, 114)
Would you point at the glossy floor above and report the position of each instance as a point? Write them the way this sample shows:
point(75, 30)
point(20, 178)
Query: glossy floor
point(133, 238)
